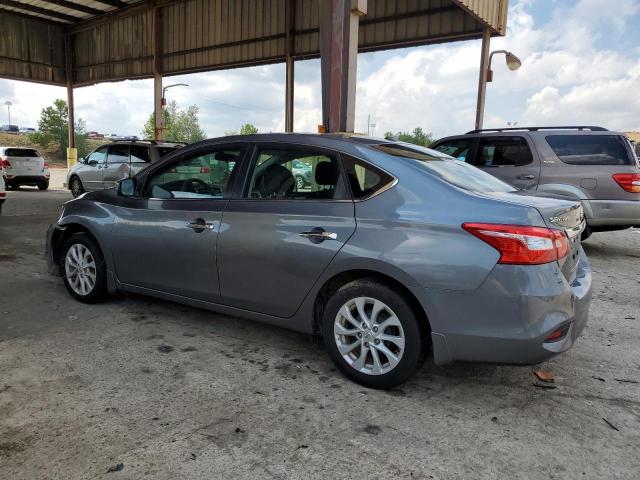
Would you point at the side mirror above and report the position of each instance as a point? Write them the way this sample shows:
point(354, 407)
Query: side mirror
point(127, 187)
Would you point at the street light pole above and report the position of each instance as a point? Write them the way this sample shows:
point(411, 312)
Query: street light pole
point(486, 74)
point(8, 104)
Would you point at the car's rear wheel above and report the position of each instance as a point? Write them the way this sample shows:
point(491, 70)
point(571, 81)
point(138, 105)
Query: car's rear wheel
point(75, 185)
point(43, 186)
point(84, 269)
point(372, 334)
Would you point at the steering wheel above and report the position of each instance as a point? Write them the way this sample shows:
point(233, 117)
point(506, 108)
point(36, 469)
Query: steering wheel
point(195, 185)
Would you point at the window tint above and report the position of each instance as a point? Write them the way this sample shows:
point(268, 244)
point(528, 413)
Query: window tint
point(21, 152)
point(591, 149)
point(456, 148)
point(140, 153)
point(503, 151)
point(205, 175)
point(98, 155)
point(364, 179)
point(118, 154)
point(162, 151)
point(457, 173)
point(294, 174)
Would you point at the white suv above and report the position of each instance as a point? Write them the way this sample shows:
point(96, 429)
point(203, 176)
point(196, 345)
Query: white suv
point(23, 166)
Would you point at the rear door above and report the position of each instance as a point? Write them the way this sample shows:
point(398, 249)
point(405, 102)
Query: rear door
point(25, 162)
point(140, 156)
point(509, 158)
point(459, 148)
point(117, 166)
point(278, 237)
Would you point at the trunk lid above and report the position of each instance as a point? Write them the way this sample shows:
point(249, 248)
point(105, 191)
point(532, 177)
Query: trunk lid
point(560, 214)
point(24, 162)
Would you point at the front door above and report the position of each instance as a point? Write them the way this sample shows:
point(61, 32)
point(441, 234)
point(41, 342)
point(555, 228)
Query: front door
point(165, 239)
point(510, 159)
point(117, 167)
point(279, 235)
point(91, 172)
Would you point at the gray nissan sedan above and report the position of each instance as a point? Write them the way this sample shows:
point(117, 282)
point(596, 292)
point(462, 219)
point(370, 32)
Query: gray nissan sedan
point(391, 252)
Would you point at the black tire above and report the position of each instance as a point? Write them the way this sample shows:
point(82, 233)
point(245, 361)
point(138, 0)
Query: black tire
point(586, 233)
point(43, 186)
point(415, 347)
point(99, 292)
point(75, 186)
point(8, 186)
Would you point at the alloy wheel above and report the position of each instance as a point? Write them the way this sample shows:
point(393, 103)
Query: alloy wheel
point(80, 269)
point(76, 187)
point(369, 336)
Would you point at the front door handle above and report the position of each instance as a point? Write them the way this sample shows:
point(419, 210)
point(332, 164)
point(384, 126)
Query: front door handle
point(527, 177)
point(199, 225)
point(317, 235)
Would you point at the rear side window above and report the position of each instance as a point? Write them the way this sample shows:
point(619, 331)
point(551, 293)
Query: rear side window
point(503, 151)
point(140, 154)
point(21, 152)
point(364, 179)
point(458, 149)
point(591, 149)
point(162, 151)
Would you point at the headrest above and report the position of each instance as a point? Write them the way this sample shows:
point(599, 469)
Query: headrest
point(326, 173)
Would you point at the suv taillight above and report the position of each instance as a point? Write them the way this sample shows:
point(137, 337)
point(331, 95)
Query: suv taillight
point(522, 245)
point(46, 165)
point(628, 181)
point(4, 162)
point(205, 170)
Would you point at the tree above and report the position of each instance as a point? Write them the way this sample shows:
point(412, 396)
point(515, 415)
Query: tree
point(53, 130)
point(248, 129)
point(179, 125)
point(417, 137)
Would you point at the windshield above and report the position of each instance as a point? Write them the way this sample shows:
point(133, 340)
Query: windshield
point(447, 168)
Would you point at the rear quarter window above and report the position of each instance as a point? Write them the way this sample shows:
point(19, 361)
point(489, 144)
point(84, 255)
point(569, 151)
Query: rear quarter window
point(163, 151)
point(591, 149)
point(21, 152)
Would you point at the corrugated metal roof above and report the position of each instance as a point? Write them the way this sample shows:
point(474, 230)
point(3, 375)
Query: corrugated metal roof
point(491, 12)
point(64, 11)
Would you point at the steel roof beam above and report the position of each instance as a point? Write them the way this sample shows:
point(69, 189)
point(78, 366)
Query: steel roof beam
point(39, 10)
point(76, 6)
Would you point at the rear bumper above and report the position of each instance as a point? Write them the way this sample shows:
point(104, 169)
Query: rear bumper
point(508, 318)
point(620, 213)
point(27, 179)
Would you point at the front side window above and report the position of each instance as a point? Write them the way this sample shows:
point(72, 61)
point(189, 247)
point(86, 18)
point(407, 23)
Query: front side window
point(118, 154)
point(456, 148)
point(503, 151)
point(591, 149)
point(204, 175)
point(295, 174)
point(99, 155)
point(140, 154)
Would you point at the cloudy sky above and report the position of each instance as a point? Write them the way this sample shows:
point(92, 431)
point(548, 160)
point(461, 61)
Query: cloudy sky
point(581, 65)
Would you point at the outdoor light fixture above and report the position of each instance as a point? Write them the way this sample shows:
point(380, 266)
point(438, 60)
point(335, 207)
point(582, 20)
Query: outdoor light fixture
point(164, 90)
point(513, 62)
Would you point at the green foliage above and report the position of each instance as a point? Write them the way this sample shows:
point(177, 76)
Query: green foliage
point(179, 125)
point(248, 129)
point(417, 137)
point(53, 130)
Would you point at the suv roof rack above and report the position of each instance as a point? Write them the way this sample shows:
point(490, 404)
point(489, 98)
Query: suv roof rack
point(535, 129)
point(149, 141)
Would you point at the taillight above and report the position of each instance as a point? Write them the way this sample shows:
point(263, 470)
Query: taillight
point(628, 181)
point(205, 170)
point(522, 245)
point(46, 165)
point(4, 162)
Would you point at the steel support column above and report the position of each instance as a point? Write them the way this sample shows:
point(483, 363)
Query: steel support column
point(339, 21)
point(68, 59)
point(289, 65)
point(157, 74)
point(482, 79)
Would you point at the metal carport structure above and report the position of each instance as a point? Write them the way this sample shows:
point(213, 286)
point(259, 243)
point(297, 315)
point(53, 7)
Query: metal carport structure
point(77, 43)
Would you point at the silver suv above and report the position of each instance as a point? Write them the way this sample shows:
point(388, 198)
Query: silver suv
point(110, 163)
point(590, 164)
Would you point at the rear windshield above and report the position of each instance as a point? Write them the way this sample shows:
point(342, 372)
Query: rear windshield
point(21, 152)
point(162, 151)
point(591, 149)
point(447, 168)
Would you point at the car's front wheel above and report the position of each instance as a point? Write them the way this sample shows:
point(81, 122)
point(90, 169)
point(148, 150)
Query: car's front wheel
point(84, 269)
point(372, 334)
point(75, 185)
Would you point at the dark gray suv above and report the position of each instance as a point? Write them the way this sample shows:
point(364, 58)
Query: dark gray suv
point(590, 164)
point(391, 251)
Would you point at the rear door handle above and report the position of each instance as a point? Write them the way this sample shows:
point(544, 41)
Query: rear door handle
point(199, 225)
point(527, 177)
point(317, 235)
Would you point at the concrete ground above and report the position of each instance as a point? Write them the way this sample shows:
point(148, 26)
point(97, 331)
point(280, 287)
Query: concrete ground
point(175, 392)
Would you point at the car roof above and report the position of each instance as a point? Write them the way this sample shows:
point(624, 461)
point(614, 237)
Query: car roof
point(329, 140)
